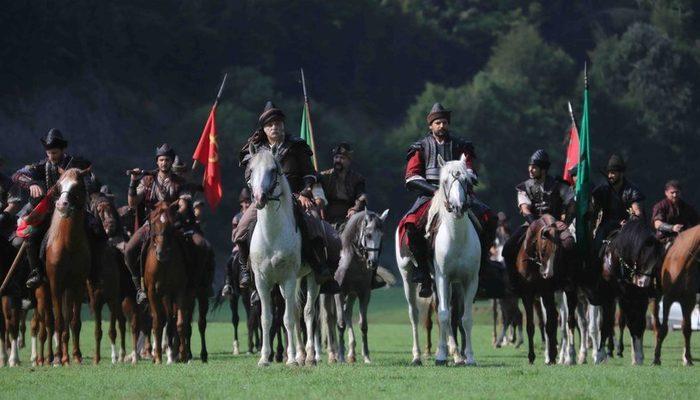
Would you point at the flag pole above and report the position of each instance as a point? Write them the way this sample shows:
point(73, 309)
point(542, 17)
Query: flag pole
point(216, 103)
point(308, 116)
point(571, 114)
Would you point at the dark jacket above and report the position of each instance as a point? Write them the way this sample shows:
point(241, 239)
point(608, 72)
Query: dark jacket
point(354, 185)
point(45, 175)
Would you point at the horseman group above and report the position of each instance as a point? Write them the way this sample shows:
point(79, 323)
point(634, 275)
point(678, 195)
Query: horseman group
point(303, 232)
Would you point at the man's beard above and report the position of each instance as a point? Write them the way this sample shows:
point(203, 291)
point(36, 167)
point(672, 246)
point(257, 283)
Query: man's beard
point(613, 181)
point(339, 167)
point(441, 133)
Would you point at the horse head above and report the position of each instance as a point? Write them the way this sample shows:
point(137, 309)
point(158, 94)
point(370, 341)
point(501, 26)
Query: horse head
point(105, 211)
point(266, 178)
point(635, 254)
point(73, 192)
point(456, 182)
point(162, 229)
point(369, 242)
point(551, 238)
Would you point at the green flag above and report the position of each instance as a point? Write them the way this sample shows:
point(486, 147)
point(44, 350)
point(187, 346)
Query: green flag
point(583, 173)
point(306, 132)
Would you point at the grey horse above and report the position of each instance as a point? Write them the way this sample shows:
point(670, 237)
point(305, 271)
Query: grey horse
point(359, 261)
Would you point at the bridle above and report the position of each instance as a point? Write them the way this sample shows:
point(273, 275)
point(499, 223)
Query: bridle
point(447, 188)
point(361, 249)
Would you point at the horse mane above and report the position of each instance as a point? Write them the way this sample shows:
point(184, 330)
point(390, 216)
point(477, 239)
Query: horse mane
point(632, 238)
point(265, 157)
point(439, 198)
point(354, 225)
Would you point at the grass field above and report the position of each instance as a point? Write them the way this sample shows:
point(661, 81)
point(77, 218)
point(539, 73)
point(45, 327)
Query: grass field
point(501, 373)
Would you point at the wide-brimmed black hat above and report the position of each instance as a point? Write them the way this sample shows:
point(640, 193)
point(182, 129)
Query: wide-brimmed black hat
point(54, 140)
point(540, 158)
point(438, 111)
point(270, 113)
point(165, 151)
point(616, 163)
point(342, 148)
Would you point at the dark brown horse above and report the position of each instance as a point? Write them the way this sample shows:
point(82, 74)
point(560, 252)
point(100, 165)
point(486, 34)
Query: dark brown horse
point(165, 280)
point(11, 313)
point(68, 261)
point(679, 280)
point(630, 262)
point(543, 265)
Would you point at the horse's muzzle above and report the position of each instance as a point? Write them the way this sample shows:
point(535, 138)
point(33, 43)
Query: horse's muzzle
point(260, 201)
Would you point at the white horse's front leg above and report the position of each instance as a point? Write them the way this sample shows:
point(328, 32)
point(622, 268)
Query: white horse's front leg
point(312, 290)
point(444, 294)
point(467, 319)
point(34, 350)
point(594, 320)
point(289, 293)
point(265, 318)
point(560, 299)
point(14, 352)
point(409, 289)
point(347, 317)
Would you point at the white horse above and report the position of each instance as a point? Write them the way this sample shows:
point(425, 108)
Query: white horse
point(275, 256)
point(456, 261)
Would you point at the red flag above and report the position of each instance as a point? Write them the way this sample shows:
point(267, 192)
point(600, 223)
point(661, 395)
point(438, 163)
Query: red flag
point(207, 154)
point(572, 153)
point(26, 226)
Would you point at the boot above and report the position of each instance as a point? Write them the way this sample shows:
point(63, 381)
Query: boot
point(243, 270)
point(36, 276)
point(377, 281)
point(227, 290)
point(140, 294)
point(421, 272)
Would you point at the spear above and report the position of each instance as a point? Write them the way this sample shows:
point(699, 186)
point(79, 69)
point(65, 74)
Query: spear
point(308, 119)
point(216, 103)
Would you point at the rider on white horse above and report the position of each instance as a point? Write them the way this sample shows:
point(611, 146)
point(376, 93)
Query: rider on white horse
point(422, 176)
point(294, 157)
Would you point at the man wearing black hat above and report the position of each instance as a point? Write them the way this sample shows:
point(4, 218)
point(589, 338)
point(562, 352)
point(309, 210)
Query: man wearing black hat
point(37, 179)
point(344, 188)
point(539, 195)
point(424, 160)
point(294, 155)
point(244, 201)
point(144, 193)
point(616, 200)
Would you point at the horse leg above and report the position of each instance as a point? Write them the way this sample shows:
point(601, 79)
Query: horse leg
point(3, 328)
point(540, 318)
point(121, 323)
point(662, 327)
point(184, 326)
point(364, 305)
point(266, 320)
point(340, 324)
point(235, 319)
point(687, 306)
point(347, 318)
point(621, 323)
point(22, 328)
point(14, 331)
point(157, 320)
point(98, 304)
point(468, 320)
point(530, 326)
point(494, 317)
point(312, 290)
point(550, 320)
point(409, 289)
point(607, 323)
point(634, 311)
point(34, 332)
point(582, 323)
point(203, 303)
point(76, 324)
point(444, 294)
point(328, 324)
point(429, 329)
point(112, 331)
point(289, 292)
point(560, 299)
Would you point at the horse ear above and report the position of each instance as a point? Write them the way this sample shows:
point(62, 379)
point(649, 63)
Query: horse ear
point(384, 215)
point(463, 158)
point(84, 172)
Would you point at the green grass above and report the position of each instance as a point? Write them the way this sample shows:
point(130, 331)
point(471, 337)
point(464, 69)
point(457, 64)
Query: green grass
point(501, 373)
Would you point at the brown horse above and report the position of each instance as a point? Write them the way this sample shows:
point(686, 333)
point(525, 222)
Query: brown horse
point(11, 313)
point(679, 280)
point(68, 261)
point(42, 327)
point(116, 290)
point(543, 264)
point(165, 280)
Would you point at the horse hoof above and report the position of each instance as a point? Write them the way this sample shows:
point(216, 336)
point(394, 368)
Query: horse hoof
point(687, 362)
point(310, 363)
point(460, 363)
point(658, 362)
point(581, 359)
point(367, 360)
point(416, 362)
point(440, 363)
point(292, 364)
